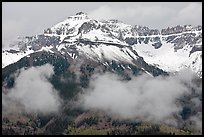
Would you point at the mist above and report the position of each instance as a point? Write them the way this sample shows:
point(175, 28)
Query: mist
point(32, 92)
point(149, 98)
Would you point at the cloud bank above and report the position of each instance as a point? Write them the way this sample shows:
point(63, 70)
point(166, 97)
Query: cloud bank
point(32, 92)
point(150, 98)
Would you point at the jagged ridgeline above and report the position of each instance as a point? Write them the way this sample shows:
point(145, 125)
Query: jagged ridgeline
point(104, 41)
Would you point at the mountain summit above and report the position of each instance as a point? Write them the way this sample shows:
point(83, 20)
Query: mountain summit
point(81, 13)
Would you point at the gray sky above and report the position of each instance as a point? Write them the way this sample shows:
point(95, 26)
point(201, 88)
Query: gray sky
point(30, 18)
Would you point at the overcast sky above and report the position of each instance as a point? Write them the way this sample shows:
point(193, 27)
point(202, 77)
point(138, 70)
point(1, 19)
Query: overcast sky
point(30, 18)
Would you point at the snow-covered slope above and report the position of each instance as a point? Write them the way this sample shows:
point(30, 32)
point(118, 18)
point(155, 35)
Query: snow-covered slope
point(167, 59)
point(170, 49)
point(10, 58)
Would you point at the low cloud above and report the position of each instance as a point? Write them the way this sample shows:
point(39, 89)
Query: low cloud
point(149, 98)
point(32, 92)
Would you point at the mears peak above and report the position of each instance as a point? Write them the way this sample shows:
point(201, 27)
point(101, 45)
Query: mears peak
point(81, 13)
point(170, 49)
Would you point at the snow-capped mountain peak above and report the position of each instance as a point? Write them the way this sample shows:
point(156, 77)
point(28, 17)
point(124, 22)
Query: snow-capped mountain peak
point(170, 49)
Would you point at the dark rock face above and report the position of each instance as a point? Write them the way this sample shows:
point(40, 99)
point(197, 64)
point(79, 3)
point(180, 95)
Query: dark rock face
point(157, 45)
point(195, 48)
point(12, 51)
point(145, 31)
point(37, 42)
point(170, 38)
point(180, 29)
point(183, 39)
point(80, 13)
point(131, 41)
point(88, 26)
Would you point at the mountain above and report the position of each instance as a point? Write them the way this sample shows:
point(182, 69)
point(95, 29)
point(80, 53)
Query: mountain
point(104, 41)
point(79, 47)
